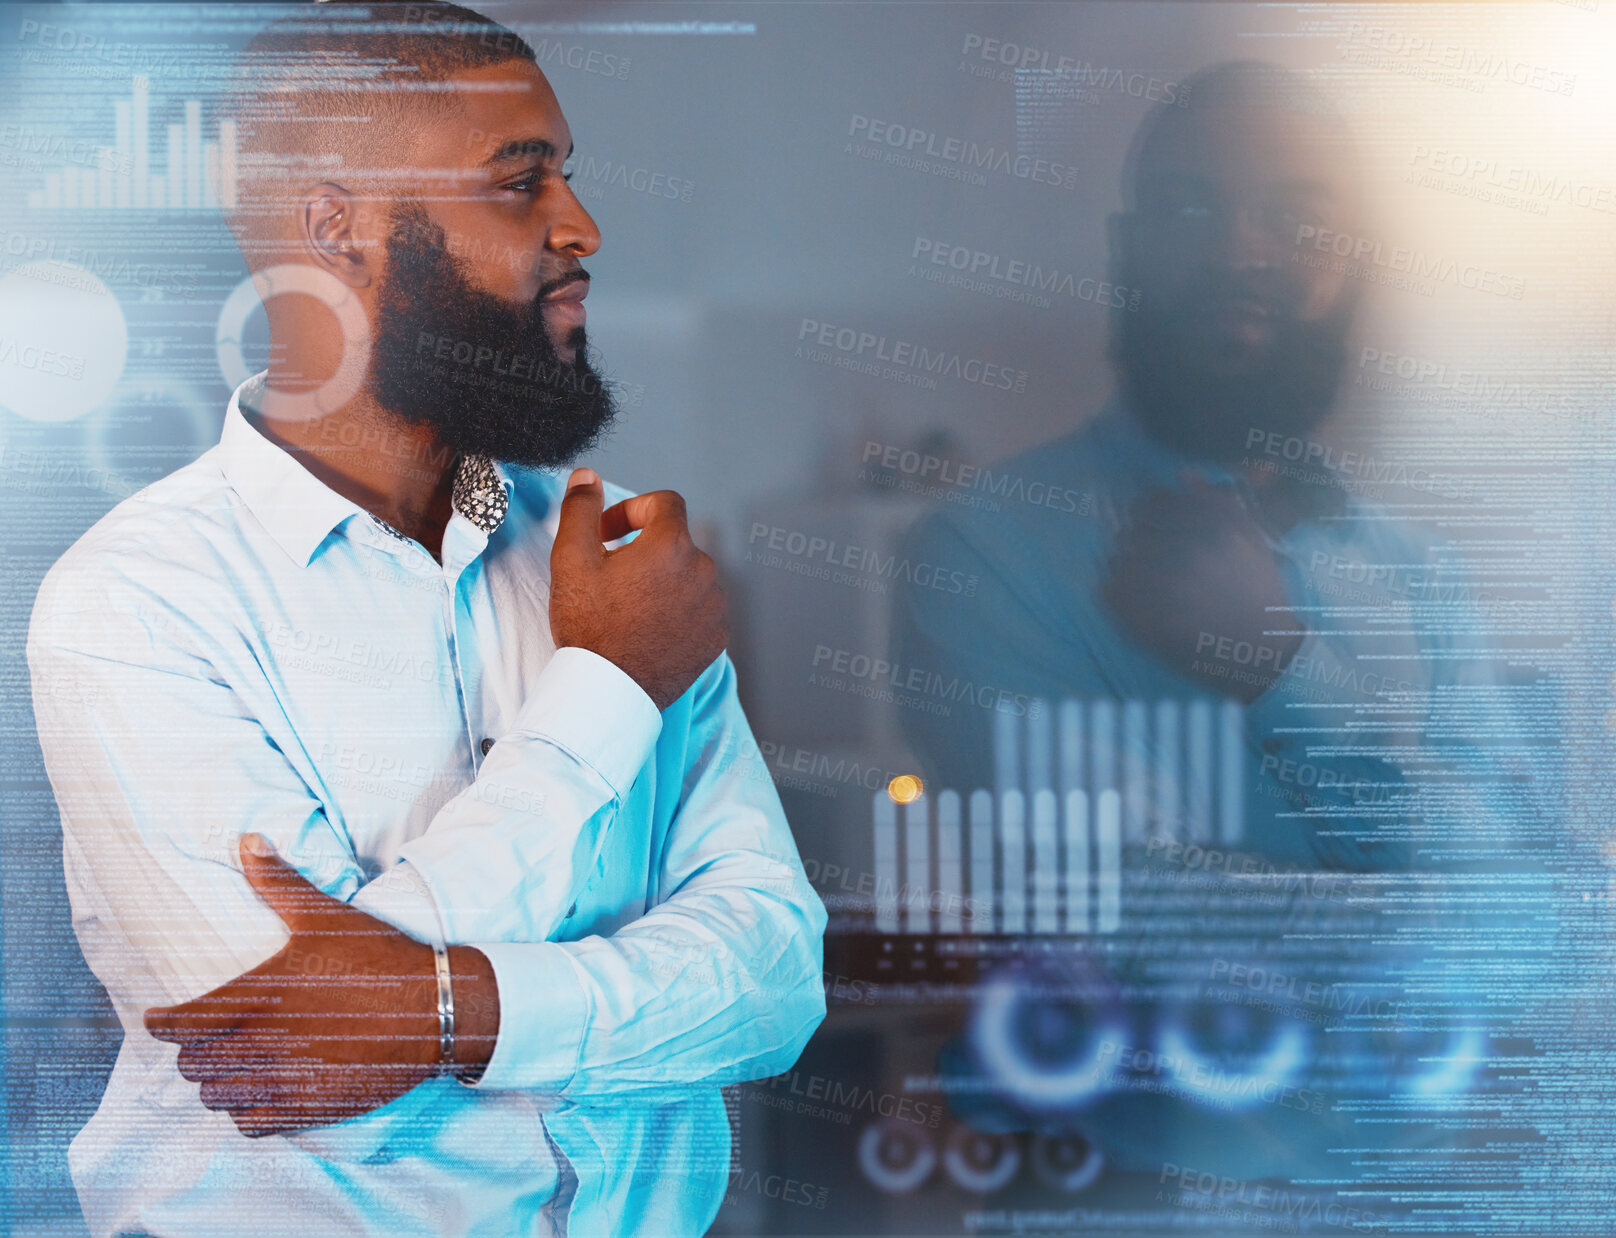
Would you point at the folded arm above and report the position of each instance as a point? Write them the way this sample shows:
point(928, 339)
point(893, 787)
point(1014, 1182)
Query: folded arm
point(160, 767)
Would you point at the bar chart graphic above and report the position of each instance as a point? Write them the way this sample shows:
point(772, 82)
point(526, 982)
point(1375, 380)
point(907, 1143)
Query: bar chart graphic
point(1041, 853)
point(198, 173)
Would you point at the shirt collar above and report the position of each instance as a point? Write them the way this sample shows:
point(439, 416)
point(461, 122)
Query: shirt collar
point(300, 511)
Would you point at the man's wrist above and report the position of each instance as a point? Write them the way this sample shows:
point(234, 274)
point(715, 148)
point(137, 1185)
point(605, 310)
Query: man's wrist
point(476, 1005)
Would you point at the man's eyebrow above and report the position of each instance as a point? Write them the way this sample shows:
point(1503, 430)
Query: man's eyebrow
point(522, 148)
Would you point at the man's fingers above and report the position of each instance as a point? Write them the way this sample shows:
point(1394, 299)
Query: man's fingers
point(223, 1057)
point(169, 1024)
point(615, 522)
point(201, 1019)
point(578, 531)
point(266, 1120)
point(287, 892)
point(240, 1092)
point(641, 512)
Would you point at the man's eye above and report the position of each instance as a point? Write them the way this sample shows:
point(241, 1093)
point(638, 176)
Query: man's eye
point(531, 182)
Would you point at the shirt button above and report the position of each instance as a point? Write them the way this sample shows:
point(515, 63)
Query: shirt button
point(487, 744)
point(572, 911)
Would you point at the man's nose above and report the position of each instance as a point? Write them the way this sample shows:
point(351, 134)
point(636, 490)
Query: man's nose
point(1247, 239)
point(572, 230)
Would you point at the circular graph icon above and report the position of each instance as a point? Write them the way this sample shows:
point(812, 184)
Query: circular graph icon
point(1068, 1162)
point(63, 341)
point(1045, 1054)
point(896, 1156)
point(979, 1161)
point(281, 280)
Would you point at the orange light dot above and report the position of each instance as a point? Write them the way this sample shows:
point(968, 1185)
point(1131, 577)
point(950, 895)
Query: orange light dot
point(905, 789)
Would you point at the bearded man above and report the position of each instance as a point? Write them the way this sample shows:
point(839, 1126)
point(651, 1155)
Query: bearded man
point(1192, 561)
point(396, 770)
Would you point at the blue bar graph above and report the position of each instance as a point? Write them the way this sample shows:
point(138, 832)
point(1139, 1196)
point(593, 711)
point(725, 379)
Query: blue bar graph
point(199, 173)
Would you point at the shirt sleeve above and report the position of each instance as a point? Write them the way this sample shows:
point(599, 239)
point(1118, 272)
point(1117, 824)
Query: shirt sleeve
point(500, 874)
point(159, 765)
point(720, 981)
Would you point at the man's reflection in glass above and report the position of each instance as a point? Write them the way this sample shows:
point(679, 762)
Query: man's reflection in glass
point(1209, 572)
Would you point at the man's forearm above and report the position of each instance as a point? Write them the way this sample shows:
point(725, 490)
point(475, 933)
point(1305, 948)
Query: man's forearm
point(341, 1020)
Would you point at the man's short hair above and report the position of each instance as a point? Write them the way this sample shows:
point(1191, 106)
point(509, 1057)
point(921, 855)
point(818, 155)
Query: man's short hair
point(336, 89)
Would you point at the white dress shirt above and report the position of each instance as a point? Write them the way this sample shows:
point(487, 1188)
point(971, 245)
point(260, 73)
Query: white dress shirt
point(239, 648)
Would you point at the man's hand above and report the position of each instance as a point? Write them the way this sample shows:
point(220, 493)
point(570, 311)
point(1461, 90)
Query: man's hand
point(653, 608)
point(1193, 574)
point(342, 1020)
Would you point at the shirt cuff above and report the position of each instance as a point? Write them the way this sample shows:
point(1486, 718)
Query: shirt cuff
point(543, 1017)
point(590, 708)
point(402, 898)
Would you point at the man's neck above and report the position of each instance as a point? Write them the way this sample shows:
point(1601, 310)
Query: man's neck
point(397, 471)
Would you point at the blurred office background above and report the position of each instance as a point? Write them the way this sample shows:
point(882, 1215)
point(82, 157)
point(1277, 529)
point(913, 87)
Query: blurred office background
point(787, 217)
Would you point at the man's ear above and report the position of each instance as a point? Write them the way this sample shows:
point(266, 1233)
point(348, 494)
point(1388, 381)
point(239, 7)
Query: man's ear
point(334, 234)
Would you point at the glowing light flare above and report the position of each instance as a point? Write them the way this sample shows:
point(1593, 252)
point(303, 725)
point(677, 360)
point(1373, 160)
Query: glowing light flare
point(905, 789)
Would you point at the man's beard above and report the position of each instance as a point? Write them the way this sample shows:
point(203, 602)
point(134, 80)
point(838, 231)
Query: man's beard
point(1205, 415)
point(482, 373)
